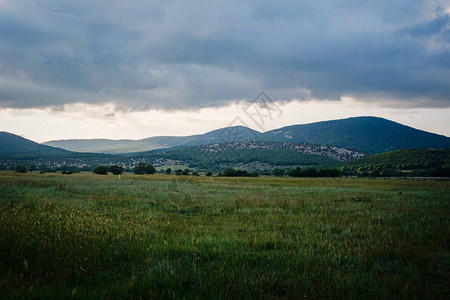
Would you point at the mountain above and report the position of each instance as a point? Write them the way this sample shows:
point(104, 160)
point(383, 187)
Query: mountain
point(15, 150)
point(90, 146)
point(14, 144)
point(320, 144)
point(366, 134)
point(227, 134)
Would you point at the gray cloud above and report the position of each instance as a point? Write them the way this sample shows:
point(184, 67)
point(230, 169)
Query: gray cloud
point(179, 55)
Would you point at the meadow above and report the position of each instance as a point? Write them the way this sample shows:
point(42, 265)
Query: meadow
point(164, 236)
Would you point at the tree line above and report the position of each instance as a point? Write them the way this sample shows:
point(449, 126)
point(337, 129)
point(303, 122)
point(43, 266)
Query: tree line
point(143, 168)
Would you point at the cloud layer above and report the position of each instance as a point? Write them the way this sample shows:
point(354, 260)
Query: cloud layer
point(190, 54)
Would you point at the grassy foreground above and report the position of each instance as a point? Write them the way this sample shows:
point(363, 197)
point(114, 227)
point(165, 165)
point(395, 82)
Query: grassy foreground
point(160, 236)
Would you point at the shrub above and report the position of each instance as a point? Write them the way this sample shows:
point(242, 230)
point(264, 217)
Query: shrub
point(238, 173)
point(116, 170)
point(440, 172)
point(329, 173)
point(278, 172)
point(310, 172)
point(143, 168)
point(20, 169)
point(297, 172)
point(101, 170)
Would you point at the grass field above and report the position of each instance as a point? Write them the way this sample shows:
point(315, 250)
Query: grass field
point(161, 236)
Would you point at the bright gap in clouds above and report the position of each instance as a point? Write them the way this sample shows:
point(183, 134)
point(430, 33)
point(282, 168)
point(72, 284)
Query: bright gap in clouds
point(85, 121)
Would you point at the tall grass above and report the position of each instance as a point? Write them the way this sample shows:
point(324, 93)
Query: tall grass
point(160, 236)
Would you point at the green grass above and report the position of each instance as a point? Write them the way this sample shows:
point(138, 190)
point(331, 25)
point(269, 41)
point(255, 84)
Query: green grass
point(160, 236)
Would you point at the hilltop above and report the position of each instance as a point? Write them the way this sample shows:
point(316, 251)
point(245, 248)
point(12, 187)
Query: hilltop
point(364, 134)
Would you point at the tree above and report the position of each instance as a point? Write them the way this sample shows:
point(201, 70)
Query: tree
point(329, 173)
point(116, 170)
point(185, 172)
point(143, 168)
point(101, 170)
point(297, 172)
point(150, 169)
point(20, 169)
point(168, 171)
point(278, 172)
point(209, 174)
point(229, 172)
point(440, 172)
point(140, 168)
point(310, 172)
point(195, 173)
point(238, 173)
point(178, 172)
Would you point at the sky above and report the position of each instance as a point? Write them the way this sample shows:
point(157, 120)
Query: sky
point(134, 69)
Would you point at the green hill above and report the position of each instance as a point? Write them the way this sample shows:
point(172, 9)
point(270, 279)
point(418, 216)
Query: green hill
point(254, 155)
point(366, 134)
point(406, 160)
point(16, 150)
point(91, 145)
point(14, 144)
point(228, 134)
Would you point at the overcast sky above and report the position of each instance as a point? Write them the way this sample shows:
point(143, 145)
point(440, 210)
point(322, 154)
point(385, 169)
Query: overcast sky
point(89, 68)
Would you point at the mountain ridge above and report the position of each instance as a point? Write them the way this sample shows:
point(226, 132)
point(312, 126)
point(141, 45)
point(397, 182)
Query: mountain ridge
point(14, 144)
point(155, 142)
point(320, 144)
point(365, 134)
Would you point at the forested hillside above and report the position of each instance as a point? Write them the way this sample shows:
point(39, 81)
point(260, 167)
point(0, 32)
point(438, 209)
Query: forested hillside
point(421, 161)
point(366, 134)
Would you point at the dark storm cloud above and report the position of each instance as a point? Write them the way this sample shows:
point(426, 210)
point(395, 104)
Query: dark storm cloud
point(179, 54)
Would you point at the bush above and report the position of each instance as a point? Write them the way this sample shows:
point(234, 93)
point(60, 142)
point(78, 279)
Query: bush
point(440, 172)
point(101, 170)
point(310, 172)
point(20, 169)
point(329, 173)
point(116, 170)
point(143, 168)
point(297, 172)
point(278, 172)
point(390, 172)
point(238, 173)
